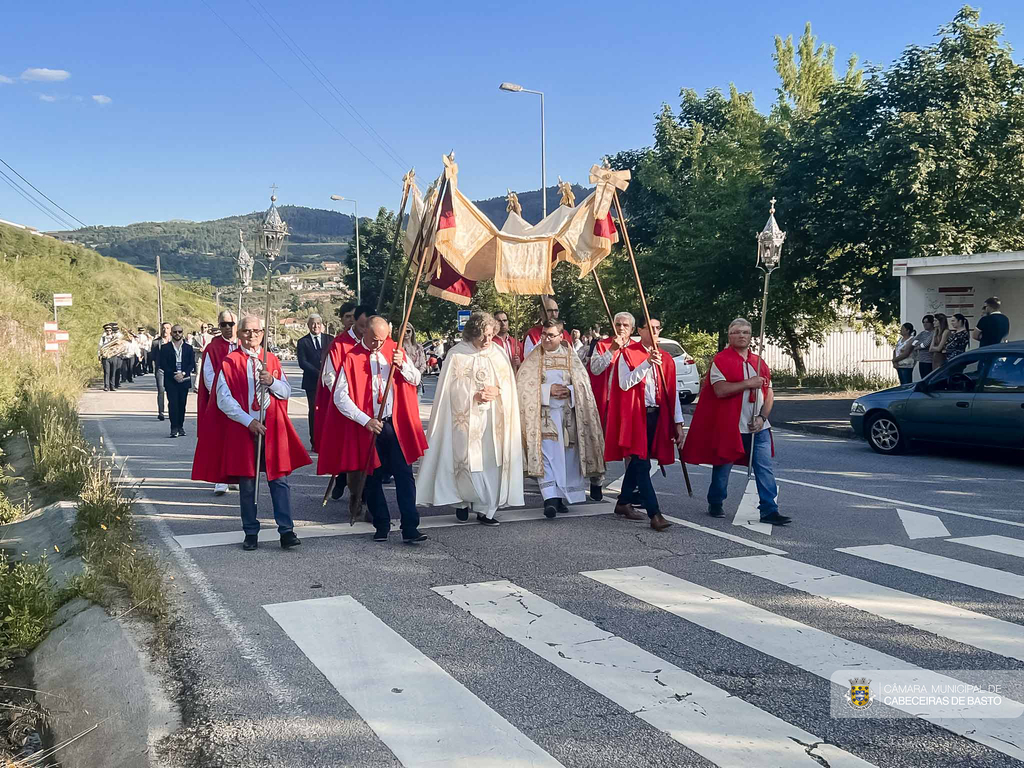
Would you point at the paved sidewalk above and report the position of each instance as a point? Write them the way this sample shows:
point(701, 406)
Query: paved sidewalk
point(814, 411)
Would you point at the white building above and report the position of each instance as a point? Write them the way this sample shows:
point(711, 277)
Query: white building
point(960, 284)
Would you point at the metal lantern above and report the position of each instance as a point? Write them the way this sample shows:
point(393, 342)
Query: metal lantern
point(272, 232)
point(769, 243)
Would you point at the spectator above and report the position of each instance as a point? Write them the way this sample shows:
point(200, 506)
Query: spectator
point(577, 341)
point(959, 336)
point(922, 342)
point(415, 353)
point(939, 340)
point(994, 326)
point(903, 356)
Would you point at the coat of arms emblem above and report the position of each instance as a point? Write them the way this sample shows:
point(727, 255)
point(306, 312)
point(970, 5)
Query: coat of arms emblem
point(860, 693)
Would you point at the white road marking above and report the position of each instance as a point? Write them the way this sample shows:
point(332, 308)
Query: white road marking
point(723, 535)
point(426, 717)
point(963, 626)
point(803, 646)
point(947, 568)
point(747, 513)
point(918, 525)
point(1003, 544)
point(706, 719)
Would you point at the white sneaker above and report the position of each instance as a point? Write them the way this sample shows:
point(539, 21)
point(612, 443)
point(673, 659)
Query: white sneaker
point(220, 489)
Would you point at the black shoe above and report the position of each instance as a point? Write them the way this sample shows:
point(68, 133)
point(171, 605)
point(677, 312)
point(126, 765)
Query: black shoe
point(462, 515)
point(414, 538)
point(380, 535)
point(338, 490)
point(562, 509)
point(596, 491)
point(174, 433)
point(251, 542)
point(550, 509)
point(181, 433)
point(715, 510)
point(159, 417)
point(289, 540)
point(484, 520)
point(776, 519)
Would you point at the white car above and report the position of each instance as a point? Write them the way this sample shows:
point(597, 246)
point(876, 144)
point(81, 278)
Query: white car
point(687, 377)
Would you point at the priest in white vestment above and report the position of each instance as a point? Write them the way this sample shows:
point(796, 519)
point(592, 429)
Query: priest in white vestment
point(474, 459)
point(562, 432)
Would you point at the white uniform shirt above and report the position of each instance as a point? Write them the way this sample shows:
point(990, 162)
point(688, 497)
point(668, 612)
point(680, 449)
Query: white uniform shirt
point(380, 369)
point(645, 372)
point(208, 372)
point(749, 409)
point(230, 407)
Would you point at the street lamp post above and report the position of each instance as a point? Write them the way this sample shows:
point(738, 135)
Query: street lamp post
point(515, 88)
point(359, 282)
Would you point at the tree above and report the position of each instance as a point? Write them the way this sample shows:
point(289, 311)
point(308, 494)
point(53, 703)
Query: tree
point(375, 237)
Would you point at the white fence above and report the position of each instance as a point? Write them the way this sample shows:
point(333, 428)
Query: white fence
point(841, 352)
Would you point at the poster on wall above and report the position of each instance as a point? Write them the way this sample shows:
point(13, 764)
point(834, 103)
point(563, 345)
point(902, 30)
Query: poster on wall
point(957, 300)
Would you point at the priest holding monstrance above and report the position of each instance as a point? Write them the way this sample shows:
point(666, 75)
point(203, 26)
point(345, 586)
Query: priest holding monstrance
point(474, 461)
point(561, 427)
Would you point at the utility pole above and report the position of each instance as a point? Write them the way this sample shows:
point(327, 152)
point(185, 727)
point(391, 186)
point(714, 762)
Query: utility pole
point(159, 293)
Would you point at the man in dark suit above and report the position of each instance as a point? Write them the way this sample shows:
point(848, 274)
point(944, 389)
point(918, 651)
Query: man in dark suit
point(310, 351)
point(178, 362)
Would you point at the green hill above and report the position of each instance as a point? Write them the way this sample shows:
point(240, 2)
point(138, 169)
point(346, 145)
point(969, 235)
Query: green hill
point(32, 269)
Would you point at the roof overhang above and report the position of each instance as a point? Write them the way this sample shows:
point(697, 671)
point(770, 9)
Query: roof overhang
point(1007, 263)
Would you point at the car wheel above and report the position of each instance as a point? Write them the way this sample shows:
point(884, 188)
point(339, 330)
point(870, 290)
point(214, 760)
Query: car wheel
point(686, 397)
point(884, 434)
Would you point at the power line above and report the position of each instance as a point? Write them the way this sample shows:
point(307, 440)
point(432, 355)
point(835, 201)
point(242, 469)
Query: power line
point(327, 83)
point(46, 212)
point(40, 192)
point(303, 98)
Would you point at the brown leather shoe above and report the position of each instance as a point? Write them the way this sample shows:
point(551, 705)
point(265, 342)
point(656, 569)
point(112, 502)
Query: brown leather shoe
point(659, 523)
point(627, 511)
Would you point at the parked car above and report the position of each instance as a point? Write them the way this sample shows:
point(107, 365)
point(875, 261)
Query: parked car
point(976, 398)
point(687, 377)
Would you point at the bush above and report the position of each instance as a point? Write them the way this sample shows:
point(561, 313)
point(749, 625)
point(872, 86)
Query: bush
point(28, 600)
point(61, 456)
point(835, 381)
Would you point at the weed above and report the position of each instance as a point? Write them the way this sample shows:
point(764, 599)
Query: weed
point(27, 602)
point(9, 511)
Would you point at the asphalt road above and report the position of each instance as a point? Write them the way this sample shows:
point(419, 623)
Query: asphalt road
point(591, 641)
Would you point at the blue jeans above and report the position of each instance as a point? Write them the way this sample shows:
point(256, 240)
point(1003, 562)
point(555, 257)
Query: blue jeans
point(764, 476)
point(280, 497)
point(638, 474)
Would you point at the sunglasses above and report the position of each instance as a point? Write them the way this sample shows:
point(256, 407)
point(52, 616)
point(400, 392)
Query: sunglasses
point(226, 325)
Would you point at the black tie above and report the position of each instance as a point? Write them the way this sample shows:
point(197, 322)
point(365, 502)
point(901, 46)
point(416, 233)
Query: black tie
point(316, 342)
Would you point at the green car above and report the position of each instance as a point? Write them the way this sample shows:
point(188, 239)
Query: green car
point(977, 398)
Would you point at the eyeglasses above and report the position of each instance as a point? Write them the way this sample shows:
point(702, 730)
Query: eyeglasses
point(248, 331)
point(226, 325)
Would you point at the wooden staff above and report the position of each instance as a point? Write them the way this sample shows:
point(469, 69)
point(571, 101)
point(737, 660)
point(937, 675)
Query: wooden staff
point(263, 405)
point(407, 183)
point(647, 315)
point(604, 301)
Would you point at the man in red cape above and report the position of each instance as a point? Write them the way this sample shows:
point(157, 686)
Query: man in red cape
point(643, 392)
point(603, 359)
point(512, 346)
point(213, 356)
point(243, 385)
point(392, 443)
point(735, 401)
point(533, 335)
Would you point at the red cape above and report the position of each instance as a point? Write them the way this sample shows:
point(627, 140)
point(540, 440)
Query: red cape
point(229, 449)
point(626, 434)
point(216, 350)
point(322, 405)
point(534, 336)
point(714, 435)
point(600, 384)
point(345, 444)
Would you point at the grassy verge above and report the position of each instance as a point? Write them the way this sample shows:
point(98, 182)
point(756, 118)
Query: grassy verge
point(834, 381)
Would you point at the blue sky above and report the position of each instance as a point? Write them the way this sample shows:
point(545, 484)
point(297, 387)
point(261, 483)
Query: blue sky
point(189, 123)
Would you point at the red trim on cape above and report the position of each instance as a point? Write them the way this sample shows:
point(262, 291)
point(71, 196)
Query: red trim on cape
point(229, 449)
point(714, 434)
point(346, 444)
point(626, 433)
point(339, 345)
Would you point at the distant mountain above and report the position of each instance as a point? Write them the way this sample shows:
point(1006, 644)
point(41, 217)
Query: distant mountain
point(207, 249)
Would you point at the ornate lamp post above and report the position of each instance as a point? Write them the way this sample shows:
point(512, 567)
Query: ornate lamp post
point(769, 256)
point(243, 271)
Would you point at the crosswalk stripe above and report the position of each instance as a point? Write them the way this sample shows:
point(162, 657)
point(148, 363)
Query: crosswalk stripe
point(803, 646)
point(947, 568)
point(747, 513)
point(1005, 545)
point(423, 715)
point(919, 525)
point(722, 728)
point(976, 629)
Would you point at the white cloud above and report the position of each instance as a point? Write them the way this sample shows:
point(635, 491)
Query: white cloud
point(4, 80)
point(42, 74)
point(47, 97)
point(101, 99)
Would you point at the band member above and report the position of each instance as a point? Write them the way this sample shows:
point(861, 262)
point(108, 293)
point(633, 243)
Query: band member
point(643, 393)
point(179, 363)
point(561, 429)
point(310, 351)
point(108, 353)
point(213, 355)
point(397, 437)
point(250, 380)
point(533, 335)
point(512, 346)
point(475, 458)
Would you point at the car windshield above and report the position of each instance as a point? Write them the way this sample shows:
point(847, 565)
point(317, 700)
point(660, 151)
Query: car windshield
point(671, 349)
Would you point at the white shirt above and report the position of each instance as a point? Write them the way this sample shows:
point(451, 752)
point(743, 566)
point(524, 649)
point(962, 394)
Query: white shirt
point(208, 372)
point(599, 363)
point(380, 369)
point(645, 372)
point(280, 389)
point(749, 409)
point(329, 374)
point(176, 346)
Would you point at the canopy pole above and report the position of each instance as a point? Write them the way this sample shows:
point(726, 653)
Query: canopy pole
point(406, 184)
point(263, 367)
point(604, 301)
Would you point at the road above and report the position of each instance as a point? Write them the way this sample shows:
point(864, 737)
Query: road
point(587, 640)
